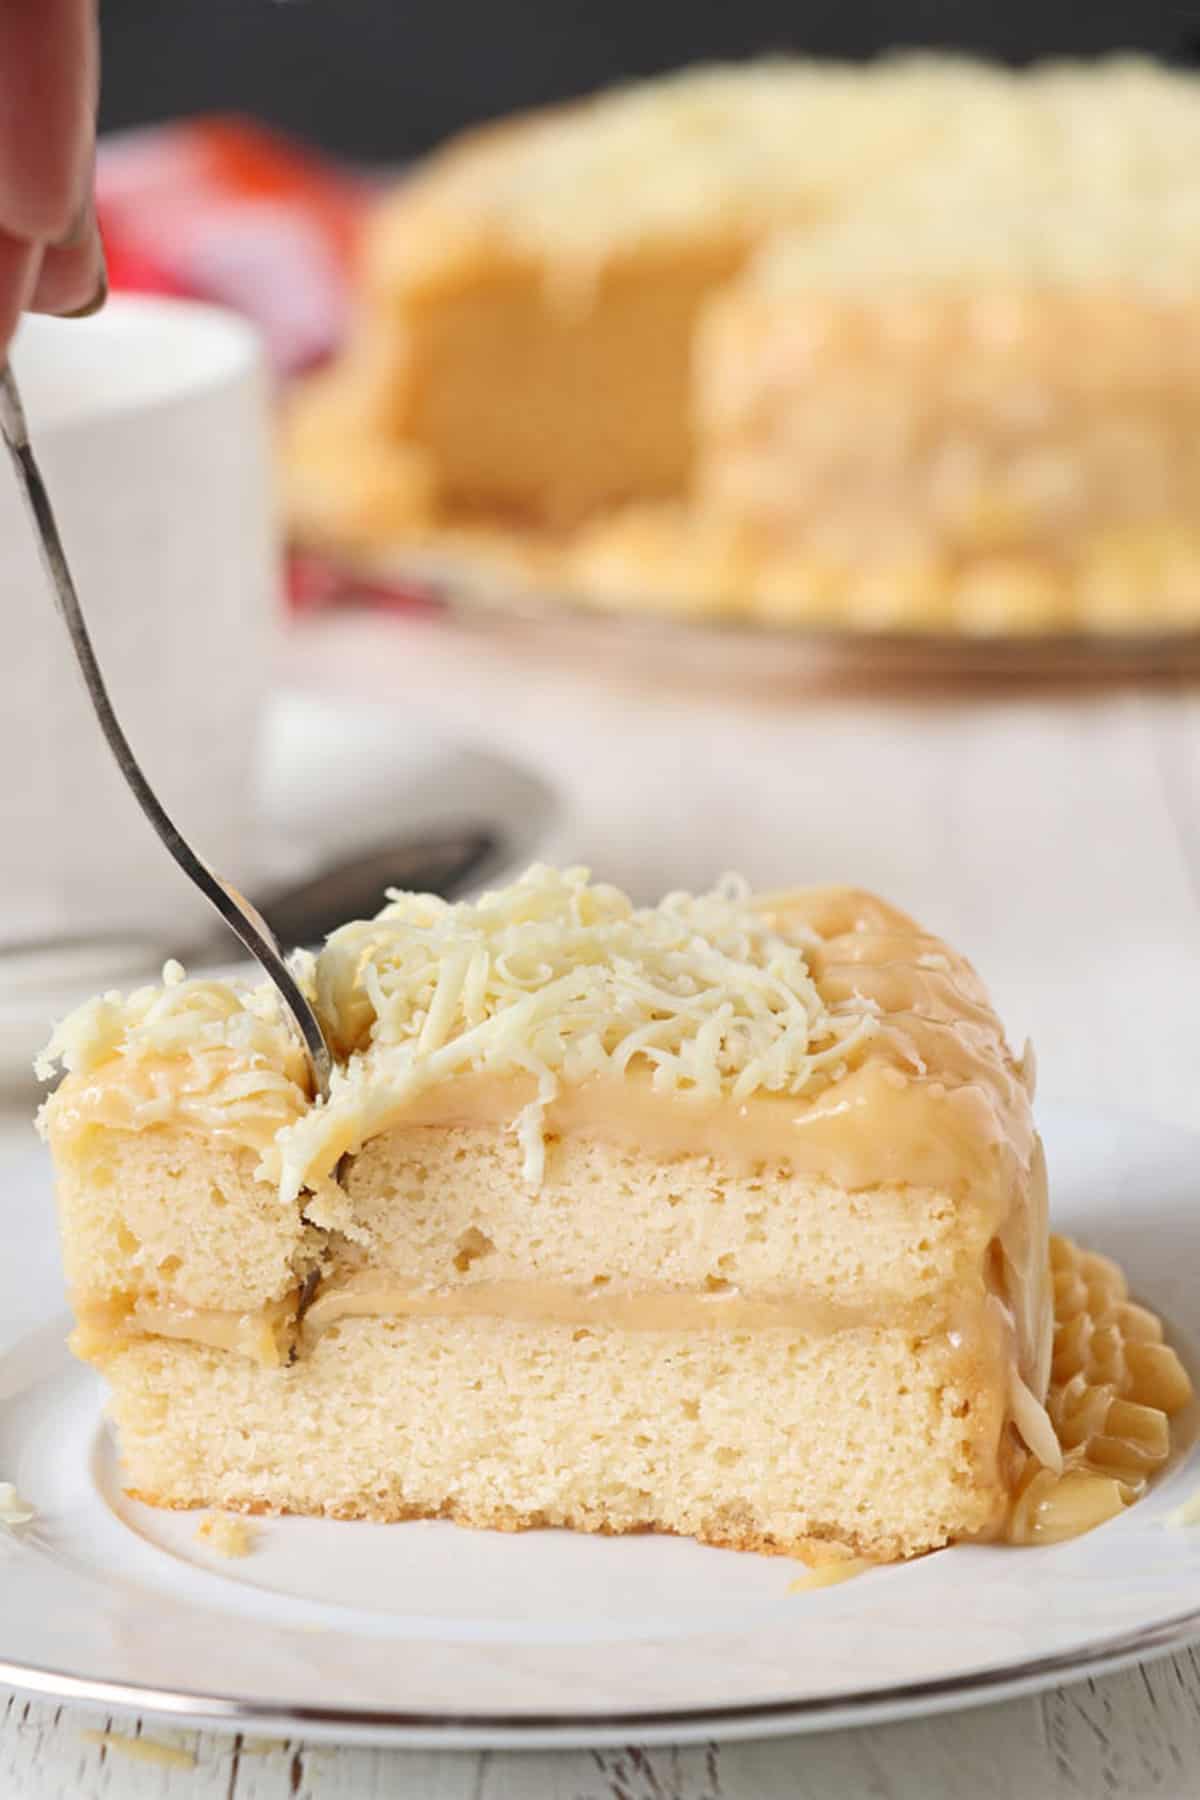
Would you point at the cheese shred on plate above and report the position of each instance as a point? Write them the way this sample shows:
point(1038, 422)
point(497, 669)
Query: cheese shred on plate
point(13, 1510)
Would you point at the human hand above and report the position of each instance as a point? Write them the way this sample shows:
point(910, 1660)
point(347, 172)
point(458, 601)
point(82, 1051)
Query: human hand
point(51, 259)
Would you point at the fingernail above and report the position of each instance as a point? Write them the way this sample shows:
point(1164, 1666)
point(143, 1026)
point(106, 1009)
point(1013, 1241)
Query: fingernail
point(98, 298)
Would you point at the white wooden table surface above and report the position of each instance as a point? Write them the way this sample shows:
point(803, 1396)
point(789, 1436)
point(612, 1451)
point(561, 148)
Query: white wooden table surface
point(1057, 840)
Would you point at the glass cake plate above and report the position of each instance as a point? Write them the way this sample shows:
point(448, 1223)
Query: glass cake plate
point(424, 1634)
point(691, 643)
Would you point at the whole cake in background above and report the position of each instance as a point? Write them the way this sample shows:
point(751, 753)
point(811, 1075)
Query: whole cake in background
point(725, 1217)
point(911, 345)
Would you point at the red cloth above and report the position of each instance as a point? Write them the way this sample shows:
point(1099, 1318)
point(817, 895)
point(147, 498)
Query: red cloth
point(223, 210)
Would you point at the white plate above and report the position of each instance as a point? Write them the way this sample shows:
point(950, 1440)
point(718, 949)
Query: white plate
point(422, 1634)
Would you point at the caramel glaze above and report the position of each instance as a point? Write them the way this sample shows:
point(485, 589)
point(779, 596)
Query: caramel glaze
point(933, 1004)
point(268, 1333)
point(188, 1093)
point(930, 1097)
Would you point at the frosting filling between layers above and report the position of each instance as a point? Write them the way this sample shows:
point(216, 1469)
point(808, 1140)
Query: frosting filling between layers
point(372, 1293)
point(267, 1334)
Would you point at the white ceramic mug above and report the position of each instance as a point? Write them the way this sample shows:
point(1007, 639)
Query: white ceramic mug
point(150, 424)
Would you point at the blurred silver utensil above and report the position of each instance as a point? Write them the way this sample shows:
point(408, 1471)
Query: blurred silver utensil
point(446, 862)
point(242, 918)
point(302, 912)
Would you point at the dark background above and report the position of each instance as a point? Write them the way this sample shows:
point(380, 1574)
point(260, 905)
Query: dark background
point(385, 78)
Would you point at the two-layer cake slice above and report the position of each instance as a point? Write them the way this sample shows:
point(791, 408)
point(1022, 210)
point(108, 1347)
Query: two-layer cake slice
point(724, 1217)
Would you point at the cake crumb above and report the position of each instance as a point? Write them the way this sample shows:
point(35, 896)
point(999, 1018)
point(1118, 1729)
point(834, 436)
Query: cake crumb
point(827, 1574)
point(13, 1510)
point(226, 1535)
point(142, 1749)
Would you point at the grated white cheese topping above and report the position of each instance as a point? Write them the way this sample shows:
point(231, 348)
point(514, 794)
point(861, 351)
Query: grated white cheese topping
point(563, 979)
point(554, 977)
point(217, 1054)
point(180, 1016)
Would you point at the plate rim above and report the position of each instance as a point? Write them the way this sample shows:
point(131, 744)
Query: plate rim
point(553, 1730)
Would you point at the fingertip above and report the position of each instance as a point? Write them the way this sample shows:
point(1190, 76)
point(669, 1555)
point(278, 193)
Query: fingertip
point(72, 280)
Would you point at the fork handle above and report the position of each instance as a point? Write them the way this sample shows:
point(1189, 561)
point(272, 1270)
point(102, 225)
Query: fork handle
point(12, 414)
point(242, 919)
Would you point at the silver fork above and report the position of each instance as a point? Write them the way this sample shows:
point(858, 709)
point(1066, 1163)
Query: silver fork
point(241, 917)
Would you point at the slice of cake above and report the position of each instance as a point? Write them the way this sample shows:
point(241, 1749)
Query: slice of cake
point(725, 1217)
point(908, 345)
